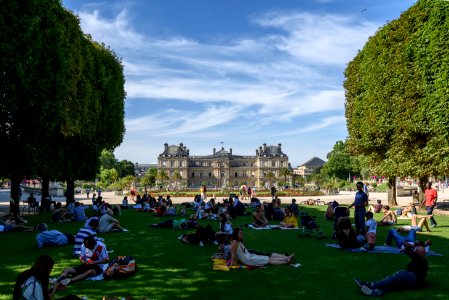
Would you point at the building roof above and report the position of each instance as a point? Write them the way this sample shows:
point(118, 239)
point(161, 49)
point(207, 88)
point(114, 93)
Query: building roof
point(314, 162)
point(270, 151)
point(175, 151)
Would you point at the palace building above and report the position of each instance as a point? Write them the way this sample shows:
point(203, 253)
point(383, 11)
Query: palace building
point(223, 168)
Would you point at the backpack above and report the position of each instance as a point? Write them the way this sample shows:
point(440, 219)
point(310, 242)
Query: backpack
point(120, 267)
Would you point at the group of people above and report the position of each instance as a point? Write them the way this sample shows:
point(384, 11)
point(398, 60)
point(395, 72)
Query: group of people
point(93, 253)
point(364, 235)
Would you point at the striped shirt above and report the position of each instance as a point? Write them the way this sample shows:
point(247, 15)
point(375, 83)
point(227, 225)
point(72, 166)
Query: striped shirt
point(82, 234)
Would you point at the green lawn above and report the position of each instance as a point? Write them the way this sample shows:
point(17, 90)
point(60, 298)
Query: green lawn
point(168, 269)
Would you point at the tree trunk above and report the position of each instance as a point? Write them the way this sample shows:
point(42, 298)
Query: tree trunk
point(70, 191)
point(45, 185)
point(392, 191)
point(422, 186)
point(14, 205)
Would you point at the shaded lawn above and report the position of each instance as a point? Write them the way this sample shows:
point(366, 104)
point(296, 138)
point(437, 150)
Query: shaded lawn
point(168, 269)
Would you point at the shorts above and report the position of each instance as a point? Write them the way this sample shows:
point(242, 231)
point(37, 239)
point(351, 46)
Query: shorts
point(371, 237)
point(8, 228)
point(84, 268)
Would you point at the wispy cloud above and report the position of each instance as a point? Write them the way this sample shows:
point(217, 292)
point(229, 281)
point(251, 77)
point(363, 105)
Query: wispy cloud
point(291, 70)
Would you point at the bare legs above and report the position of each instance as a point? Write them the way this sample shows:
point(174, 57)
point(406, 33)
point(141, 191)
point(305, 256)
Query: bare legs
point(422, 221)
point(280, 259)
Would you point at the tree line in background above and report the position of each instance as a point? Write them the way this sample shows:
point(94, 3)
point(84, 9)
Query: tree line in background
point(62, 96)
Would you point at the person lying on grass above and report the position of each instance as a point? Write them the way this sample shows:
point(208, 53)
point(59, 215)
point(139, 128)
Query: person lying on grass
point(48, 238)
point(239, 254)
point(202, 236)
point(191, 223)
point(417, 225)
point(290, 220)
point(413, 277)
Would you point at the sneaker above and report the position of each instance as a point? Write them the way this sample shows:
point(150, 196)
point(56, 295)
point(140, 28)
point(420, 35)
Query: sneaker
point(433, 225)
point(52, 280)
point(295, 265)
point(361, 283)
point(215, 243)
point(125, 230)
point(65, 281)
point(201, 244)
point(180, 237)
point(370, 292)
point(363, 249)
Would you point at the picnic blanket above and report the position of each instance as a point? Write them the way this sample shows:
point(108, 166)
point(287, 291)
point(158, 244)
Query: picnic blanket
point(382, 249)
point(219, 264)
point(271, 227)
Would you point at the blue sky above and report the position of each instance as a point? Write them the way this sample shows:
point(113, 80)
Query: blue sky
point(244, 73)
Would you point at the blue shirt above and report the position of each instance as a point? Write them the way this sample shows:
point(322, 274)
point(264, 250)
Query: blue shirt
point(361, 198)
point(51, 238)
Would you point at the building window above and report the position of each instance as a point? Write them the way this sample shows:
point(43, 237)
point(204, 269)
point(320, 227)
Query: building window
point(193, 174)
point(164, 163)
point(210, 174)
point(236, 174)
point(273, 164)
point(201, 175)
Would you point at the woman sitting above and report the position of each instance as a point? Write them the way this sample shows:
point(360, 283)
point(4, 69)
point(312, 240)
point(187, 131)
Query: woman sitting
point(107, 223)
point(239, 254)
point(290, 220)
point(259, 219)
point(346, 235)
point(409, 211)
point(33, 283)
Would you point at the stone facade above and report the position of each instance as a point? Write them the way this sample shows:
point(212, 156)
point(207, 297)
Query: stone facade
point(223, 168)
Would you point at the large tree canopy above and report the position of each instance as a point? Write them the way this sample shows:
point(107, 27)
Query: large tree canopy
point(397, 94)
point(61, 94)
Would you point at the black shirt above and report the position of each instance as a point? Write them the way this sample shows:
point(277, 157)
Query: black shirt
point(417, 265)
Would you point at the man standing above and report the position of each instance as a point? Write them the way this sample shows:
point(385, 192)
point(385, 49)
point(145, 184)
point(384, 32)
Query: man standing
point(360, 203)
point(414, 275)
point(431, 201)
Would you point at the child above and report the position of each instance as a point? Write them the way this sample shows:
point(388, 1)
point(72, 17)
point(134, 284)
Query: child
point(371, 227)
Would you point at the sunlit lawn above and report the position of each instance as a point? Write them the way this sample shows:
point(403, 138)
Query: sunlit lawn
point(168, 269)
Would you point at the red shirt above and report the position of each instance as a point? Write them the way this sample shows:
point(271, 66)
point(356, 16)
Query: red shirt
point(431, 197)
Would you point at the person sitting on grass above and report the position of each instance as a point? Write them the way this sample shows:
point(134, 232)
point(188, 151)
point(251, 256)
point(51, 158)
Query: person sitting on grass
point(108, 223)
point(371, 228)
point(294, 207)
point(48, 238)
point(239, 254)
point(413, 277)
point(417, 225)
point(33, 283)
point(389, 217)
point(377, 208)
point(83, 233)
point(79, 213)
point(290, 220)
point(94, 256)
point(259, 219)
point(346, 235)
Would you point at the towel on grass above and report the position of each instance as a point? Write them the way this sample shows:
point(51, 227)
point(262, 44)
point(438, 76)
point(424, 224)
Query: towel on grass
point(382, 249)
point(271, 227)
point(99, 276)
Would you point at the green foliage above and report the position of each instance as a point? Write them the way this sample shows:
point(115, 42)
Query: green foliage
point(150, 178)
point(340, 163)
point(397, 91)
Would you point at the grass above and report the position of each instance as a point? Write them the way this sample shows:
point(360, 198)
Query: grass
point(168, 269)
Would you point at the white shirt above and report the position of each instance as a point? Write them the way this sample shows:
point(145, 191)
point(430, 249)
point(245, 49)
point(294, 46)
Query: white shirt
point(98, 253)
point(372, 226)
point(32, 289)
